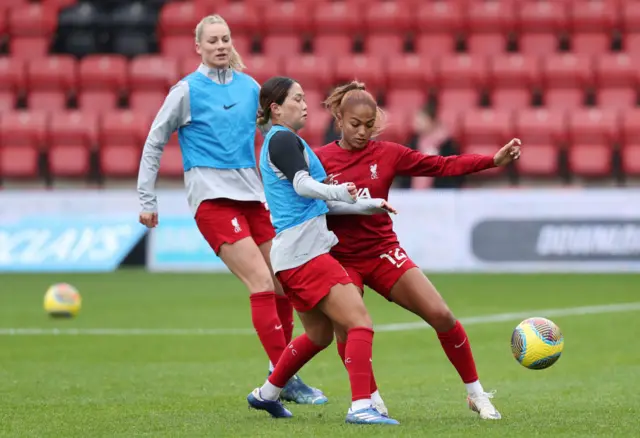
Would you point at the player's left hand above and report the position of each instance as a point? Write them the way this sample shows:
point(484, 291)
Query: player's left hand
point(384, 205)
point(508, 153)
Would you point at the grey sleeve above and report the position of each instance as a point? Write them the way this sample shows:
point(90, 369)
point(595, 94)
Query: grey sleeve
point(306, 186)
point(361, 207)
point(174, 113)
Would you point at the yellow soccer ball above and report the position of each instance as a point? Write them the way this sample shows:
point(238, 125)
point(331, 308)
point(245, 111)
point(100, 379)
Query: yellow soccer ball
point(62, 301)
point(537, 343)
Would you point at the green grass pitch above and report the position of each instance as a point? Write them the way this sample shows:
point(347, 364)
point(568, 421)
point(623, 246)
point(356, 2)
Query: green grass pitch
point(186, 384)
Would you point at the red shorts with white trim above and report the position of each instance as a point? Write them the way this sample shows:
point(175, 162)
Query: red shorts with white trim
point(306, 285)
point(380, 273)
point(224, 220)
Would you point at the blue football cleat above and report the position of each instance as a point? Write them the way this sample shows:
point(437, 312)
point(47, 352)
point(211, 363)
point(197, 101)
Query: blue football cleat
point(368, 416)
point(273, 407)
point(297, 391)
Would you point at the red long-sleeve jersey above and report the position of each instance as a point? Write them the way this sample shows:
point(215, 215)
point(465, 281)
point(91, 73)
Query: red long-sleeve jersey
point(372, 170)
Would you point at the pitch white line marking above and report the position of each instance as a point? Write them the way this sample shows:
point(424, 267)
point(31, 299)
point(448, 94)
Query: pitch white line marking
point(473, 320)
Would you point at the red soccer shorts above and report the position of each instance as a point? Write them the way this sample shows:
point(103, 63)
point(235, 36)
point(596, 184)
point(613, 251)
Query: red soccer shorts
point(380, 273)
point(306, 285)
point(227, 221)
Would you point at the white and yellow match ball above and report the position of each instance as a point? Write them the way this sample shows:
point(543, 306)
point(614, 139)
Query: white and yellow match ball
point(537, 343)
point(62, 301)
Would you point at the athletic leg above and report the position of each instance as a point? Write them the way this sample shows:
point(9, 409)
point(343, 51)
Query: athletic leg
point(416, 293)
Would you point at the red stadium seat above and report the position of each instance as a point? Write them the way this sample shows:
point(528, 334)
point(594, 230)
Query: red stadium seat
point(32, 20)
point(332, 45)
point(631, 126)
point(617, 79)
point(459, 78)
point(3, 23)
point(57, 5)
point(513, 76)
point(591, 160)
point(7, 101)
point(488, 24)
point(313, 98)
point(148, 102)
point(367, 69)
point(594, 127)
point(124, 128)
point(29, 47)
point(180, 19)
point(391, 44)
point(53, 73)
point(487, 127)
point(190, 64)
point(565, 77)
point(23, 128)
point(171, 162)
point(410, 71)
point(541, 127)
point(69, 161)
point(12, 74)
point(310, 70)
point(120, 160)
point(261, 68)
point(73, 128)
point(103, 73)
point(178, 46)
point(462, 71)
point(388, 18)
point(630, 13)
point(397, 125)
point(539, 24)
point(242, 18)
point(49, 101)
point(592, 23)
point(338, 18)
point(290, 18)
point(152, 73)
point(18, 162)
point(541, 160)
point(631, 159)
point(451, 120)
point(406, 100)
point(316, 125)
point(438, 23)
point(281, 45)
point(97, 102)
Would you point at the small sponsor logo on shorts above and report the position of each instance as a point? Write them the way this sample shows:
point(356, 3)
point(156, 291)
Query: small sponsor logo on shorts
point(235, 225)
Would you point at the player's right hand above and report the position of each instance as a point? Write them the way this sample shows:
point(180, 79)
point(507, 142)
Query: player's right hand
point(384, 205)
point(148, 219)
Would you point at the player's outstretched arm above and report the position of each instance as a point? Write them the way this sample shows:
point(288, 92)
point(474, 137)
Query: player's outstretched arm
point(175, 112)
point(414, 163)
point(286, 153)
point(361, 207)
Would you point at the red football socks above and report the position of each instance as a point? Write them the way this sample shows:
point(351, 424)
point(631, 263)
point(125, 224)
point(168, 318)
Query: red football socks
point(358, 352)
point(285, 313)
point(342, 349)
point(456, 346)
point(298, 352)
point(267, 324)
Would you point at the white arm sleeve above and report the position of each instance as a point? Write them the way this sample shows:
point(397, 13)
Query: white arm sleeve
point(175, 112)
point(361, 207)
point(308, 187)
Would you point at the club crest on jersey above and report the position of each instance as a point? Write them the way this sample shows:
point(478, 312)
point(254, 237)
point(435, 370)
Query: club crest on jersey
point(374, 170)
point(235, 225)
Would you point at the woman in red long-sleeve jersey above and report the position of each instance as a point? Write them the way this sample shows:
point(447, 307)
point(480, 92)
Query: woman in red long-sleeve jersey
point(368, 247)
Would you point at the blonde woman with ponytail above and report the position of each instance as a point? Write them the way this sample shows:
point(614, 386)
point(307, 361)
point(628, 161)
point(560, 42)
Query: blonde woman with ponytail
point(214, 111)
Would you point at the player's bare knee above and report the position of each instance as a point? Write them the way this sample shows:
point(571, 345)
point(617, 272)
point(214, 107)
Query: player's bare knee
point(321, 336)
point(359, 318)
point(260, 282)
point(441, 319)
